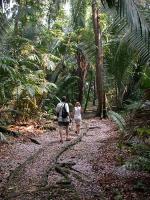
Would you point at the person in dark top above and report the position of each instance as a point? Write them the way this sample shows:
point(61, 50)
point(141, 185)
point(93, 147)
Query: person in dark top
point(63, 122)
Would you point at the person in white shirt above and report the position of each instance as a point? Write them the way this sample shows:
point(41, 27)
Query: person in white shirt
point(62, 110)
point(77, 116)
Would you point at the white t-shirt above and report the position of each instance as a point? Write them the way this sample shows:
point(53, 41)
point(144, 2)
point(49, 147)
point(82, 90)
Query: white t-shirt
point(77, 113)
point(59, 110)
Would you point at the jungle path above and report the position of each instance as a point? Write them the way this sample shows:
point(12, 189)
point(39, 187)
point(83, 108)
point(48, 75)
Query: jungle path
point(84, 168)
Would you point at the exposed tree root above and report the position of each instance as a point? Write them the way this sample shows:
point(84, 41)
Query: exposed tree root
point(64, 169)
point(16, 134)
point(33, 140)
point(92, 127)
point(5, 130)
point(21, 167)
point(30, 191)
point(63, 166)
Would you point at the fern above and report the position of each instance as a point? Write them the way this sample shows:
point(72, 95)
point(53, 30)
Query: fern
point(118, 119)
point(139, 163)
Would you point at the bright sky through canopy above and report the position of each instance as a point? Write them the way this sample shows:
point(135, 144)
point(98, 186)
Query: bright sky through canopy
point(67, 8)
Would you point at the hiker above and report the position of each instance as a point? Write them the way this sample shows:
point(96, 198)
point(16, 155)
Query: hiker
point(77, 116)
point(62, 110)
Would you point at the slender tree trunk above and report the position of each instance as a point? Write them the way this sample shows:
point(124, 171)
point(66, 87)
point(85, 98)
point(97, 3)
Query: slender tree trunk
point(81, 72)
point(49, 16)
point(88, 93)
point(94, 93)
point(104, 106)
point(16, 25)
point(99, 57)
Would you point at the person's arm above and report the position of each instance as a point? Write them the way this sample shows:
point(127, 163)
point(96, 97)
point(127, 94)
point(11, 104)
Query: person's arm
point(67, 108)
point(57, 110)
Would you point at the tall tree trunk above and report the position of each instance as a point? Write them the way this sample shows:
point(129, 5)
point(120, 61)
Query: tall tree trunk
point(81, 72)
point(94, 93)
point(99, 57)
point(104, 105)
point(88, 93)
point(16, 25)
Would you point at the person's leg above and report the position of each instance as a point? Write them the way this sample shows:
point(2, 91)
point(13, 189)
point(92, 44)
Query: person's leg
point(67, 132)
point(60, 133)
point(76, 131)
point(78, 128)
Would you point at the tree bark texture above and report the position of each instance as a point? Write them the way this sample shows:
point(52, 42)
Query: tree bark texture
point(88, 93)
point(81, 73)
point(99, 57)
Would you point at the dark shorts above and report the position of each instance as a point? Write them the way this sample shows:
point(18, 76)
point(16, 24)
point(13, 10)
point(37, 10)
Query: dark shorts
point(63, 124)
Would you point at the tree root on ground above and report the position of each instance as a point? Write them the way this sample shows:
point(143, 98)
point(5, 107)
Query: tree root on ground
point(30, 191)
point(65, 169)
point(65, 166)
point(12, 133)
point(21, 167)
point(16, 134)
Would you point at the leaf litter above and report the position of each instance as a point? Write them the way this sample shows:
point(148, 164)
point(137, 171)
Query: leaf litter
point(96, 175)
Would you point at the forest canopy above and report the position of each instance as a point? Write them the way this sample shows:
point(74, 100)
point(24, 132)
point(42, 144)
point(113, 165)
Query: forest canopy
point(96, 52)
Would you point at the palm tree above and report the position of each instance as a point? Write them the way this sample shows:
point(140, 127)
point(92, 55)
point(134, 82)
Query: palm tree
point(136, 38)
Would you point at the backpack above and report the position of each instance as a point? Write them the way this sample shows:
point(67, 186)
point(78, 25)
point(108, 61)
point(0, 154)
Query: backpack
point(64, 112)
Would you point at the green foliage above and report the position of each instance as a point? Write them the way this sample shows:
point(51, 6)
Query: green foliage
point(128, 44)
point(143, 133)
point(141, 158)
point(68, 87)
point(3, 25)
point(141, 186)
point(38, 54)
point(23, 76)
point(139, 163)
point(79, 9)
point(132, 105)
point(118, 119)
point(141, 150)
point(145, 80)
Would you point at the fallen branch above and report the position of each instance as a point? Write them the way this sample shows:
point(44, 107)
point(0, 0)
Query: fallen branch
point(5, 130)
point(92, 127)
point(16, 134)
point(64, 172)
point(33, 140)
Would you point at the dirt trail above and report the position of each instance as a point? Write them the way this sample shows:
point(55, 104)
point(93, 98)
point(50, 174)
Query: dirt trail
point(86, 170)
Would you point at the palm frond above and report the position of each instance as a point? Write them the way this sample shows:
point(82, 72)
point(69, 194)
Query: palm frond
point(138, 43)
point(88, 48)
point(129, 10)
point(137, 32)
